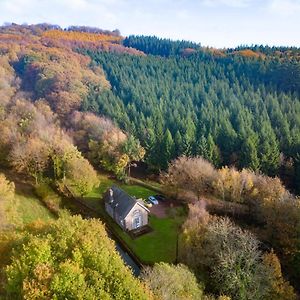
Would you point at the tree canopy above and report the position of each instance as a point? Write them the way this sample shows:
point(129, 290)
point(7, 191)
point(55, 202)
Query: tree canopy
point(70, 258)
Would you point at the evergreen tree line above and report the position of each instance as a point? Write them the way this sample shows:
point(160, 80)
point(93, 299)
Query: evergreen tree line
point(158, 46)
point(224, 109)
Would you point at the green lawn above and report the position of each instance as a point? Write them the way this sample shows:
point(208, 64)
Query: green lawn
point(104, 184)
point(95, 195)
point(132, 189)
point(158, 245)
point(31, 209)
point(136, 190)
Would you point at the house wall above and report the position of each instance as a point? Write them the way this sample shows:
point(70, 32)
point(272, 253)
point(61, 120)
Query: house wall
point(109, 210)
point(115, 216)
point(119, 220)
point(130, 217)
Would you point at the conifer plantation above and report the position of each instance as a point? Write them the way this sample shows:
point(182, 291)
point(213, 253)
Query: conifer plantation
point(233, 107)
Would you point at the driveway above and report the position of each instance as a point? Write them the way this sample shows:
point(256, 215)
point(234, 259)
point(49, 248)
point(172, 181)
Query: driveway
point(161, 209)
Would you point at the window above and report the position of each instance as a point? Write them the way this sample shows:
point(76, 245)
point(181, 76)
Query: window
point(137, 219)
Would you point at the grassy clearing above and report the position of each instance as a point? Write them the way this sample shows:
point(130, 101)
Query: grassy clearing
point(137, 191)
point(30, 206)
point(105, 183)
point(93, 198)
point(160, 245)
point(31, 209)
point(156, 246)
point(132, 189)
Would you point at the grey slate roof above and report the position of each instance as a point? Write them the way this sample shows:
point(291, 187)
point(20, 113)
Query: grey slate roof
point(120, 201)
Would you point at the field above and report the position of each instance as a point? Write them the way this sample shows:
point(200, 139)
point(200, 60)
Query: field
point(32, 209)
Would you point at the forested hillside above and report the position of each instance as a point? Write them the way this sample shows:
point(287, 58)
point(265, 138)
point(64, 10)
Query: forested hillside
point(218, 125)
point(43, 82)
point(233, 109)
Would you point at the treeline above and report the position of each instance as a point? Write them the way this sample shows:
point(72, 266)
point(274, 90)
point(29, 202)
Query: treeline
point(222, 109)
point(73, 257)
point(41, 27)
point(275, 213)
point(158, 46)
point(42, 87)
point(229, 260)
point(281, 53)
point(166, 47)
point(73, 37)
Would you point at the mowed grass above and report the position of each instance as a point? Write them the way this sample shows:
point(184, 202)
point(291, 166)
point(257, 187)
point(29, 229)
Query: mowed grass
point(93, 198)
point(132, 189)
point(104, 183)
point(31, 209)
point(160, 245)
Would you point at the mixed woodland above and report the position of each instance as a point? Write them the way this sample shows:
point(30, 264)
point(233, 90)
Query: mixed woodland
point(209, 123)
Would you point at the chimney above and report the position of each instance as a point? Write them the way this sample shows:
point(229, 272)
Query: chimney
point(111, 196)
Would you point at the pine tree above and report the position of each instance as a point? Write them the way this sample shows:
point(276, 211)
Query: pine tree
point(213, 151)
point(202, 148)
point(269, 151)
point(168, 149)
point(248, 154)
point(178, 144)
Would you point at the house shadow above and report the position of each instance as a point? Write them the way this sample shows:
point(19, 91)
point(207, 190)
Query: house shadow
point(135, 233)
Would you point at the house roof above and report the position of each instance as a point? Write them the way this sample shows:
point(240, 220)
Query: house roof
point(120, 201)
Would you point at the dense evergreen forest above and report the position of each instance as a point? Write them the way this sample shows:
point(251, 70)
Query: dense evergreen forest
point(239, 109)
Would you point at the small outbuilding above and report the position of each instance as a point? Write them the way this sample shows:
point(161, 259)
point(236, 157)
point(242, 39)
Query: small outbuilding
point(128, 212)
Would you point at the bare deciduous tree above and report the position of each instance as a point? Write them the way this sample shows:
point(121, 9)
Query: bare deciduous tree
point(189, 173)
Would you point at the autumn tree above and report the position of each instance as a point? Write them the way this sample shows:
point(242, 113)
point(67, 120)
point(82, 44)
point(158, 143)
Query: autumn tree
point(104, 143)
point(282, 223)
point(79, 174)
point(172, 282)
point(37, 146)
point(59, 75)
point(191, 251)
point(69, 258)
point(228, 255)
point(280, 288)
point(31, 158)
point(191, 174)
point(235, 261)
point(8, 204)
point(264, 187)
point(234, 185)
